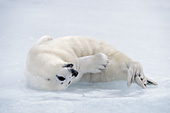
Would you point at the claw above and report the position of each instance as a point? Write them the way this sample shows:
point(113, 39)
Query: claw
point(139, 82)
point(151, 82)
point(143, 84)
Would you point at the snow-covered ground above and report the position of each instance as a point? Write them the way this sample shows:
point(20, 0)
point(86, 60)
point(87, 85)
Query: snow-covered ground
point(139, 28)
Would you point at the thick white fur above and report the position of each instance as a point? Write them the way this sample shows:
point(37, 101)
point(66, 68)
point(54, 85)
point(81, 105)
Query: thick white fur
point(95, 61)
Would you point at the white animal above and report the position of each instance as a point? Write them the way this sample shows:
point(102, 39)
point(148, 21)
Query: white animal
point(54, 64)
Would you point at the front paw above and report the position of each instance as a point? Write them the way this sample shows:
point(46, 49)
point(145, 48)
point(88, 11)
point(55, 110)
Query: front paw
point(99, 63)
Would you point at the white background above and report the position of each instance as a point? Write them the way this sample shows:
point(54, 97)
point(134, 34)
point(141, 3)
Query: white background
point(139, 28)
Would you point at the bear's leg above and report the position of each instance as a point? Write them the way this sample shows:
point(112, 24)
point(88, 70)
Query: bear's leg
point(91, 64)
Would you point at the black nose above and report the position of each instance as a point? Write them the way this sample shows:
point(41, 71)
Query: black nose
point(74, 72)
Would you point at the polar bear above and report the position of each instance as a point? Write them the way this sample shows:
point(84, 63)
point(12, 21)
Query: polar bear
point(54, 64)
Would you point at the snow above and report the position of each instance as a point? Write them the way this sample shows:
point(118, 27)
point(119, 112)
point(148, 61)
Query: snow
point(139, 28)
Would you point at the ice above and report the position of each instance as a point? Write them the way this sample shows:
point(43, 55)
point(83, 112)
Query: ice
point(139, 28)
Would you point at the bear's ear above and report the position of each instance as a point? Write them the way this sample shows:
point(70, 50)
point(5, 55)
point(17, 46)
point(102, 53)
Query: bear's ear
point(44, 39)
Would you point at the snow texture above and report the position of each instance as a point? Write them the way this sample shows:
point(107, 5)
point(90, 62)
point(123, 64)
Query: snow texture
point(139, 28)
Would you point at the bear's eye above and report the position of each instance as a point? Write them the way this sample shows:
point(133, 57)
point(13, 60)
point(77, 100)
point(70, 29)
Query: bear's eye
point(68, 65)
point(60, 78)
